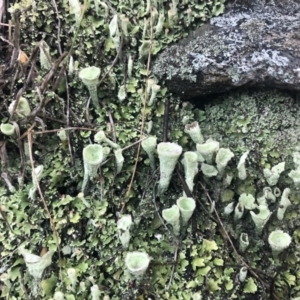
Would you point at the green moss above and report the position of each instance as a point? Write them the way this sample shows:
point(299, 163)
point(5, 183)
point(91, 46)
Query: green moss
point(87, 226)
point(272, 125)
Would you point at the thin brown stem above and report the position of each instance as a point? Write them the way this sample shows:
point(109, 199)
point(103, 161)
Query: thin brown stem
point(44, 203)
point(240, 259)
point(143, 118)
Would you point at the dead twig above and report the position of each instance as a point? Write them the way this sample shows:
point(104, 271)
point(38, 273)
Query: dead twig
point(189, 193)
point(20, 147)
point(32, 59)
point(239, 258)
point(6, 41)
point(175, 238)
point(52, 130)
point(16, 40)
point(8, 25)
point(143, 115)
point(118, 53)
point(66, 79)
point(131, 145)
point(52, 71)
point(29, 136)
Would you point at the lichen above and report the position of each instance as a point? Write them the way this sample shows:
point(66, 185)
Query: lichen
point(86, 224)
point(234, 50)
point(264, 122)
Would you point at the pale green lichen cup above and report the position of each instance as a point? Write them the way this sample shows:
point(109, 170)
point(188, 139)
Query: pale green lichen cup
point(278, 241)
point(137, 263)
point(89, 77)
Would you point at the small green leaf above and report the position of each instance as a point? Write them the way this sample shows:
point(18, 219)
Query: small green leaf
point(82, 267)
point(274, 154)
point(75, 218)
point(243, 121)
point(134, 30)
point(203, 271)
point(228, 271)
point(109, 44)
point(191, 284)
point(131, 88)
point(229, 284)
point(213, 285)
point(48, 285)
point(183, 264)
point(160, 109)
point(163, 91)
point(208, 246)
point(143, 71)
point(67, 199)
point(197, 262)
point(250, 286)
point(194, 250)
point(227, 195)
point(218, 262)
point(85, 134)
point(14, 273)
point(291, 279)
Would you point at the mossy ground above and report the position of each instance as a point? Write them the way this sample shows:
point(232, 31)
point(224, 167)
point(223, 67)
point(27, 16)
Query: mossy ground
point(83, 232)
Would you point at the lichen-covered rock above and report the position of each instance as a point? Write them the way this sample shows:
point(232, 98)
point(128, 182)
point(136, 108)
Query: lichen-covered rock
point(252, 44)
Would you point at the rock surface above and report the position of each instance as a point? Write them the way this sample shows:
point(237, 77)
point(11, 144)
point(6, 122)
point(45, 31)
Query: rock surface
point(255, 44)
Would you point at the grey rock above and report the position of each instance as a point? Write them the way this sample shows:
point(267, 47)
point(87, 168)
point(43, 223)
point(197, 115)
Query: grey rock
point(255, 43)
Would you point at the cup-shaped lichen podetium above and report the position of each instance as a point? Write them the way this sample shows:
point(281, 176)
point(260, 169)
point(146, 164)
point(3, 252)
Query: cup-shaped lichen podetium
point(190, 163)
point(244, 242)
point(278, 241)
point(208, 150)
point(168, 154)
point(89, 77)
point(36, 264)
point(7, 129)
point(295, 175)
point(172, 216)
point(92, 158)
point(261, 219)
point(186, 206)
point(123, 226)
point(194, 131)
point(137, 263)
point(223, 157)
point(22, 109)
point(149, 146)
